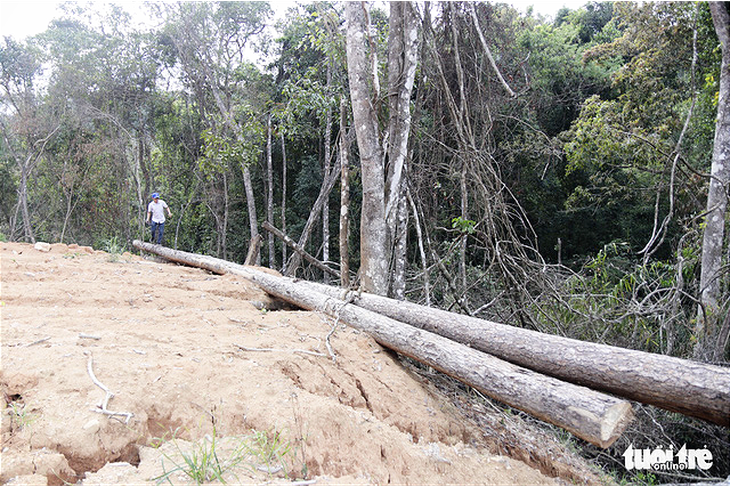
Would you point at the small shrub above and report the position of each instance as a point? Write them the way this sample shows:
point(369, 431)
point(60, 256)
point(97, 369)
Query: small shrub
point(114, 248)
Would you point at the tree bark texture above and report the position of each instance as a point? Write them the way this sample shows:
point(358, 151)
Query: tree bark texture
point(344, 198)
point(590, 415)
point(270, 193)
point(251, 204)
point(403, 41)
point(402, 63)
point(283, 196)
point(373, 228)
point(327, 167)
point(713, 239)
point(254, 248)
point(691, 388)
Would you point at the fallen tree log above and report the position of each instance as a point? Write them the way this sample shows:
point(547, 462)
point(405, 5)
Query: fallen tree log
point(684, 386)
point(593, 416)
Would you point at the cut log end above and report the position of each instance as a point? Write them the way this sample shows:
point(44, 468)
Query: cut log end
point(598, 424)
point(614, 423)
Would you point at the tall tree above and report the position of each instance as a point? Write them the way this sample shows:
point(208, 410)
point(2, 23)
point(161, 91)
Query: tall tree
point(20, 65)
point(211, 41)
point(403, 44)
point(711, 342)
point(313, 81)
point(382, 195)
point(270, 192)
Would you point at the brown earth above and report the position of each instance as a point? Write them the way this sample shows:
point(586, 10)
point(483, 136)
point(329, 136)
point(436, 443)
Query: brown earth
point(211, 364)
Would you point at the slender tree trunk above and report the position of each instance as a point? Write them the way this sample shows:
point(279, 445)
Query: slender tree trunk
point(402, 62)
point(146, 177)
point(713, 240)
point(270, 193)
point(487, 51)
point(66, 218)
point(314, 214)
point(464, 216)
point(344, 197)
point(283, 196)
point(326, 172)
point(398, 282)
point(23, 201)
point(251, 203)
point(421, 249)
point(224, 236)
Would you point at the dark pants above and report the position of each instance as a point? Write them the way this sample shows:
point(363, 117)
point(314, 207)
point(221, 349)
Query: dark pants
point(159, 229)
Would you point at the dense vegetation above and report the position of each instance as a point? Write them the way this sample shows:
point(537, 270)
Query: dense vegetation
point(563, 191)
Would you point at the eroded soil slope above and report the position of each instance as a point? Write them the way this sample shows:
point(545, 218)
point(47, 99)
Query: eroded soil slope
point(198, 358)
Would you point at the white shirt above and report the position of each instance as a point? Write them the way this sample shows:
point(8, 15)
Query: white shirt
point(157, 210)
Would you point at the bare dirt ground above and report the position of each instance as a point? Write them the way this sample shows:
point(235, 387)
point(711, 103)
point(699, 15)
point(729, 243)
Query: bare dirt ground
point(212, 369)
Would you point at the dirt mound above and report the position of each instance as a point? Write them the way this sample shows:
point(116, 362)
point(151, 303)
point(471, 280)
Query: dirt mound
point(212, 371)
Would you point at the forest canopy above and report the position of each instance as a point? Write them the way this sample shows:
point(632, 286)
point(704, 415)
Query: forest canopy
point(504, 143)
point(585, 141)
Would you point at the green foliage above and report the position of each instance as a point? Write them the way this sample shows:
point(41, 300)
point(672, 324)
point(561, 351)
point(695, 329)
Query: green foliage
point(463, 225)
point(646, 478)
point(19, 63)
point(618, 299)
point(621, 149)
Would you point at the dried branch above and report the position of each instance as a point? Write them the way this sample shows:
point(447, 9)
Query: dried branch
point(108, 395)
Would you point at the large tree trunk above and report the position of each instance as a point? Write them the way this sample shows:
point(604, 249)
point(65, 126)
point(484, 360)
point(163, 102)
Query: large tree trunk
point(684, 386)
point(712, 243)
point(590, 415)
point(364, 93)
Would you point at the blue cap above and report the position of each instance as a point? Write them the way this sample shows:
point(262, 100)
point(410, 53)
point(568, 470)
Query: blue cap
point(155, 195)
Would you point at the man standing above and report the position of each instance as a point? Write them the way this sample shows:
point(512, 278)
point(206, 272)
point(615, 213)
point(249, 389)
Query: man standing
point(156, 214)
